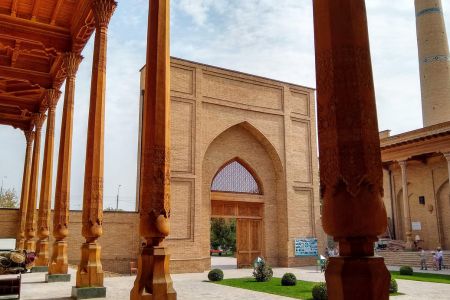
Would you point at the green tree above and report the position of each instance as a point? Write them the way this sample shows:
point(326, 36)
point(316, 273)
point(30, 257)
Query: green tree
point(223, 234)
point(8, 198)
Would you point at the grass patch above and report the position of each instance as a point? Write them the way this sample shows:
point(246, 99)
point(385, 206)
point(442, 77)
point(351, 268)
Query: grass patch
point(425, 277)
point(300, 291)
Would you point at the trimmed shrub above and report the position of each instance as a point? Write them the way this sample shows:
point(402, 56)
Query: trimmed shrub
point(406, 270)
point(262, 272)
point(393, 287)
point(215, 275)
point(319, 291)
point(288, 279)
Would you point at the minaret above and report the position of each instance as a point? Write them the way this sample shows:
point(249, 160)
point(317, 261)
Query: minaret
point(434, 62)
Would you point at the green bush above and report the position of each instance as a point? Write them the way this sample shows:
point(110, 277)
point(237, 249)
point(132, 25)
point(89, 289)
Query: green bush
point(406, 270)
point(262, 272)
point(393, 287)
point(288, 279)
point(215, 275)
point(319, 291)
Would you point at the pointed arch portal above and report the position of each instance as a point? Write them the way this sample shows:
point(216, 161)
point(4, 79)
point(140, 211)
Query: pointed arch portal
point(236, 193)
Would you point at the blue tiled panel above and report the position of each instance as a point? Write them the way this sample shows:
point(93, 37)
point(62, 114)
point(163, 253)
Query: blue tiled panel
point(429, 11)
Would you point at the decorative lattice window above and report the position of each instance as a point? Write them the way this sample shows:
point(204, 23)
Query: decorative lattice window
point(234, 177)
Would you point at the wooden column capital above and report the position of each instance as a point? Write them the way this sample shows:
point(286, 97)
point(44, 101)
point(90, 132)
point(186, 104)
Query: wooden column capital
point(29, 136)
point(38, 120)
point(103, 11)
point(71, 61)
point(402, 164)
point(52, 99)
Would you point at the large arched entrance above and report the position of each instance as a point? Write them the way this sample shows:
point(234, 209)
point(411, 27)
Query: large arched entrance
point(236, 194)
point(243, 179)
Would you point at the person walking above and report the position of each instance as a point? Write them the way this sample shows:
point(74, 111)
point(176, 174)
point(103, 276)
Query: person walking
point(440, 257)
point(423, 259)
point(435, 261)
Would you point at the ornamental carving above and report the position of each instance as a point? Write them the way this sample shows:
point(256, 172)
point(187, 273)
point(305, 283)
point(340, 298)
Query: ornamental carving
point(38, 120)
point(103, 11)
point(92, 207)
point(347, 124)
point(156, 186)
point(51, 99)
point(29, 136)
point(71, 61)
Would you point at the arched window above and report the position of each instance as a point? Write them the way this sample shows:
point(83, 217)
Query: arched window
point(234, 177)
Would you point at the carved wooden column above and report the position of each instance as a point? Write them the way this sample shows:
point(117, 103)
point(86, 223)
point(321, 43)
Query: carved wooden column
point(90, 273)
point(46, 185)
point(58, 268)
point(153, 279)
point(20, 242)
point(406, 212)
point(30, 229)
point(350, 161)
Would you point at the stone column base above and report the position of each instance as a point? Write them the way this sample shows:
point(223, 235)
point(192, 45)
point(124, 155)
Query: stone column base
point(57, 278)
point(39, 269)
point(153, 281)
point(88, 292)
point(356, 278)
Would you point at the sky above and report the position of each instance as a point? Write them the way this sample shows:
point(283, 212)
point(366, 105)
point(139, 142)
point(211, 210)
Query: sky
point(269, 38)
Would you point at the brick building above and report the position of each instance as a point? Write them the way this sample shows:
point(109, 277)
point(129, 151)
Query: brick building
point(268, 127)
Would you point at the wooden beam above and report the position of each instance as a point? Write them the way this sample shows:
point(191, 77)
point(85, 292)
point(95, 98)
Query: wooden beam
point(51, 37)
point(20, 103)
point(13, 117)
point(406, 151)
point(35, 10)
point(14, 8)
point(55, 12)
point(44, 80)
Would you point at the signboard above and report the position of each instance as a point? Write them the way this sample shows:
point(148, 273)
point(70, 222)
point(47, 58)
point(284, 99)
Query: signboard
point(416, 226)
point(306, 247)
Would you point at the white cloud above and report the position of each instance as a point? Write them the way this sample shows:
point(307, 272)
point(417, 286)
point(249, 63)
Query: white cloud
point(199, 9)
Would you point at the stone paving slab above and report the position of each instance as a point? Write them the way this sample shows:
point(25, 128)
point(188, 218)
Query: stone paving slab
point(193, 286)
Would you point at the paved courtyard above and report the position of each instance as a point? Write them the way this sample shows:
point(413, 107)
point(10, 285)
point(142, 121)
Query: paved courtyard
point(194, 286)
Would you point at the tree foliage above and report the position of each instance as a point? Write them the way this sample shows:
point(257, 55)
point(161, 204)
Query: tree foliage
point(8, 198)
point(223, 234)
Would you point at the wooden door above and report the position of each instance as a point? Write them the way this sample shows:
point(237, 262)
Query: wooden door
point(248, 241)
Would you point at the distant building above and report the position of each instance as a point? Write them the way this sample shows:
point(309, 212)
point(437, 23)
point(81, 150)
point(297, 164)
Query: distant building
point(417, 163)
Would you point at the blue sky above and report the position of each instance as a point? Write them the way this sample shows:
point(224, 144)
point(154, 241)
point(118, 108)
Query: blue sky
point(263, 37)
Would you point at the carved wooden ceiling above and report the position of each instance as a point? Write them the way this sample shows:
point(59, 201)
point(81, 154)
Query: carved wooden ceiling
point(33, 36)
